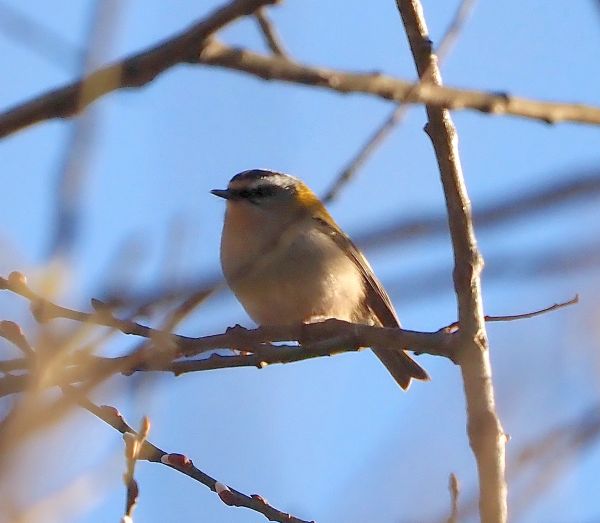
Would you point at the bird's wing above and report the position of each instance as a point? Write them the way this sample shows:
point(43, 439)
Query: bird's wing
point(376, 297)
point(400, 365)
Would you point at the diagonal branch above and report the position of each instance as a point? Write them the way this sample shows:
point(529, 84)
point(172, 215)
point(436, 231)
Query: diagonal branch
point(181, 463)
point(486, 437)
point(269, 32)
point(134, 71)
point(139, 448)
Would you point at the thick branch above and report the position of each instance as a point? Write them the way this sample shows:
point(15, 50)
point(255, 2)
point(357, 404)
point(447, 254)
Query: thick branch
point(391, 88)
point(142, 68)
point(486, 436)
point(134, 71)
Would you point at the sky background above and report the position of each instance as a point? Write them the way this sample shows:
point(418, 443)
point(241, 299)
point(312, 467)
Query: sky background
point(332, 440)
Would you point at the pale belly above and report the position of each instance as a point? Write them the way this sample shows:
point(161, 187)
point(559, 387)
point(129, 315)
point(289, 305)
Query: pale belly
point(306, 280)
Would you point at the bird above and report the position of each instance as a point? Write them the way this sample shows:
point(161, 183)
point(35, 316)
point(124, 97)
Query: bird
point(288, 262)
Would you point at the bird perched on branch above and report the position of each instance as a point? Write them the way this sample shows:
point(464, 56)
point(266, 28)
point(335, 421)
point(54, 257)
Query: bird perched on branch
point(288, 262)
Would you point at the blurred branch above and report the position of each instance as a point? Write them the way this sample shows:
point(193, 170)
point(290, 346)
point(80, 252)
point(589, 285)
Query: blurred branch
point(135, 71)
point(180, 462)
point(548, 454)
point(486, 437)
point(272, 39)
point(102, 26)
point(137, 446)
point(584, 186)
point(33, 411)
point(397, 115)
point(192, 47)
point(38, 38)
point(546, 263)
point(551, 453)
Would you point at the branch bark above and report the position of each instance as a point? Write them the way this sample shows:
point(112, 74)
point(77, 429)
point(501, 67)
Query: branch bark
point(486, 437)
point(192, 47)
point(134, 71)
point(180, 462)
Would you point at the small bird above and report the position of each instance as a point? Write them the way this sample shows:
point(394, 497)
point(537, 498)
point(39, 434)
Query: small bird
point(288, 262)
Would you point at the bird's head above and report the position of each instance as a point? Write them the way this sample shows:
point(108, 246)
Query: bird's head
point(263, 194)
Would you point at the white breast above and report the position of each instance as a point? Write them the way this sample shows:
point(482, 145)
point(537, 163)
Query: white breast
point(299, 277)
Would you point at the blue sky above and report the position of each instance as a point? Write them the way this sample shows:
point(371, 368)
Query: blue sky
point(333, 440)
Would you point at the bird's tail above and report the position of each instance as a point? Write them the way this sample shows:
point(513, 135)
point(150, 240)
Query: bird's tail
point(401, 366)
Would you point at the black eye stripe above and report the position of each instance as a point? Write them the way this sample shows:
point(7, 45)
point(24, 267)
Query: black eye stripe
point(256, 193)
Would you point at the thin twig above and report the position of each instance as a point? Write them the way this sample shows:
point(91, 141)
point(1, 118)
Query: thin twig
point(330, 332)
point(532, 314)
point(137, 446)
point(397, 115)
point(525, 315)
point(454, 488)
point(269, 32)
point(133, 445)
point(181, 463)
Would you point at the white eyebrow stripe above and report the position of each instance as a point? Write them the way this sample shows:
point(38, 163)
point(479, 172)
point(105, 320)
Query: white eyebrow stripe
point(272, 180)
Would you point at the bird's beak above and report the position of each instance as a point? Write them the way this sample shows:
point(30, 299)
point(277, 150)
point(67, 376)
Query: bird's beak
point(221, 193)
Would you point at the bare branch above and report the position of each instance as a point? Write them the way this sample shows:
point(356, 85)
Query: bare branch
point(486, 437)
point(133, 446)
point(181, 463)
point(137, 446)
point(142, 68)
point(532, 314)
point(135, 71)
point(12, 332)
point(525, 315)
point(391, 88)
point(327, 338)
point(272, 39)
point(454, 488)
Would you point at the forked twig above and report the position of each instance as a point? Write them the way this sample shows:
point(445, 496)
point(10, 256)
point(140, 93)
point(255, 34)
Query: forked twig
point(269, 32)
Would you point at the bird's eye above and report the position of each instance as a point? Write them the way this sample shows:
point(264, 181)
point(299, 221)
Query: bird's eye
point(255, 195)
